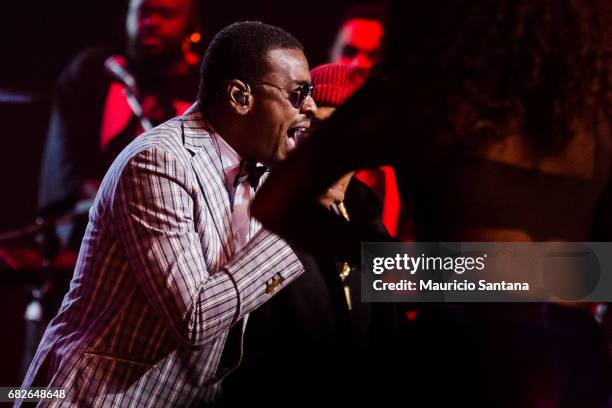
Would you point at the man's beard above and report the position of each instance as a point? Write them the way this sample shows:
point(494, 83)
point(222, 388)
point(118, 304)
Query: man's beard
point(141, 57)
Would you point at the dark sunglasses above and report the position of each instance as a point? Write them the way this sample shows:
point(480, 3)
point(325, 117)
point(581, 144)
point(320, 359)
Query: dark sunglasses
point(297, 97)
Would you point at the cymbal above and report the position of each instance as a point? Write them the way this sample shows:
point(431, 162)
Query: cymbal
point(20, 257)
point(14, 96)
point(23, 265)
point(80, 208)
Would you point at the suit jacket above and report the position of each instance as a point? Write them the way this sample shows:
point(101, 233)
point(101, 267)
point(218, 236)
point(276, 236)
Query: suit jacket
point(158, 282)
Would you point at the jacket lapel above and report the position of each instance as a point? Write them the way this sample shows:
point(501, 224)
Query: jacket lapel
point(208, 169)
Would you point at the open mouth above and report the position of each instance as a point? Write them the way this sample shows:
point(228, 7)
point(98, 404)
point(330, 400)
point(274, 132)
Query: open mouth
point(150, 41)
point(296, 135)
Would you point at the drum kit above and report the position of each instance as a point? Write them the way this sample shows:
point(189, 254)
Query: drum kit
point(33, 255)
point(36, 254)
point(13, 96)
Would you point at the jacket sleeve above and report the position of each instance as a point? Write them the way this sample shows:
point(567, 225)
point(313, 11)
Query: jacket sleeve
point(153, 214)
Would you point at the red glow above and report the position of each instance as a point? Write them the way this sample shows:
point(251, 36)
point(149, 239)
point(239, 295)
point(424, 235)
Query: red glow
point(411, 315)
point(116, 116)
point(382, 181)
point(117, 113)
point(358, 43)
point(195, 37)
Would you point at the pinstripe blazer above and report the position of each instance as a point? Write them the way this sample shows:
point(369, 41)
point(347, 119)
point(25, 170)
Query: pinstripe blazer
point(158, 283)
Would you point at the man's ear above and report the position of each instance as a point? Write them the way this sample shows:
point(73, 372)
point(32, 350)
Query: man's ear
point(239, 96)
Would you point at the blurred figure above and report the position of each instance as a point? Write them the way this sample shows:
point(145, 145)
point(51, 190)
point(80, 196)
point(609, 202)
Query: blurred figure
point(334, 84)
point(93, 117)
point(102, 101)
point(358, 44)
point(320, 313)
point(358, 41)
point(496, 117)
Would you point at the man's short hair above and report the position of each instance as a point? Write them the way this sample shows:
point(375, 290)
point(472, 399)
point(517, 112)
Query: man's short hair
point(239, 51)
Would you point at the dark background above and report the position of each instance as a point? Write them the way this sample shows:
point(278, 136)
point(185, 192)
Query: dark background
point(37, 40)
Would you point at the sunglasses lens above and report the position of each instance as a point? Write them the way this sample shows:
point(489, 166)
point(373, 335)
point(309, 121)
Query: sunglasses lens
point(296, 99)
point(305, 92)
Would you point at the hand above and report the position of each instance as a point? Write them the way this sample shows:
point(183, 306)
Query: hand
point(335, 194)
point(332, 195)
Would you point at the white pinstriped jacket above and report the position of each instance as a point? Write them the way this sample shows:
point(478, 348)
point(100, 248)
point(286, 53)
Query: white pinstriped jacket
point(158, 283)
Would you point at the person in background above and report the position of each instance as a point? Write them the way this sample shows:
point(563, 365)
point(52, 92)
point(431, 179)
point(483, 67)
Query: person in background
point(496, 117)
point(92, 119)
point(105, 98)
point(358, 40)
point(358, 44)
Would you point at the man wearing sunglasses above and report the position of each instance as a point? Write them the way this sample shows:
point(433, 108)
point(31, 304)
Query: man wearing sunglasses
point(172, 263)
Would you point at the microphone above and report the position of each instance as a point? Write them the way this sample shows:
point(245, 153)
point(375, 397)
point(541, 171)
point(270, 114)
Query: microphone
point(116, 66)
point(341, 211)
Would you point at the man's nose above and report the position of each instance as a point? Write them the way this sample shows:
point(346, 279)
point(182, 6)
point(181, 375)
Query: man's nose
point(151, 20)
point(309, 107)
point(361, 60)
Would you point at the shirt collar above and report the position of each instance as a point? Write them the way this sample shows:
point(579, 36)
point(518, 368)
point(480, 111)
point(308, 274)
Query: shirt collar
point(230, 160)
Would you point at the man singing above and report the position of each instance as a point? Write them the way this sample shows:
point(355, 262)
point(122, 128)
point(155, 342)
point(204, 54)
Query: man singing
point(172, 263)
